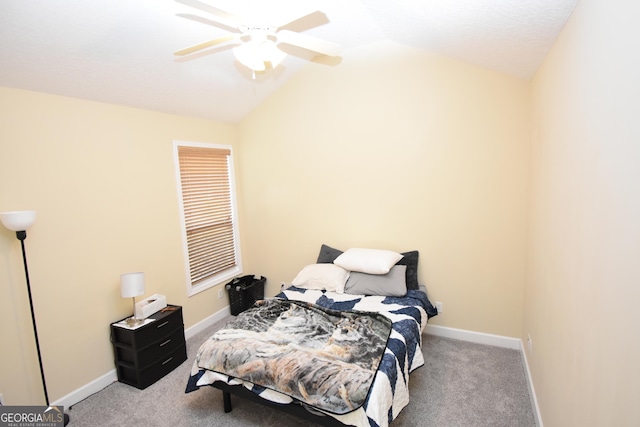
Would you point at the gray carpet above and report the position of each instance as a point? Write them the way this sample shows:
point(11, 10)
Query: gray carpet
point(461, 384)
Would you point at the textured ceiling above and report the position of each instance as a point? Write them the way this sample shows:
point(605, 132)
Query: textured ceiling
point(120, 51)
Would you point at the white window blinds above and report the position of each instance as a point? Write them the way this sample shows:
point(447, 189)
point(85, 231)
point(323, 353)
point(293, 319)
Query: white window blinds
point(208, 210)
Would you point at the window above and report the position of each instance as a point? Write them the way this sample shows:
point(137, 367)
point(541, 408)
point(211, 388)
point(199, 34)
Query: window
point(206, 193)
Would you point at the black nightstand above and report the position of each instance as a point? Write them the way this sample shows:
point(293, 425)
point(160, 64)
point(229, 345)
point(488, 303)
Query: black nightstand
point(149, 352)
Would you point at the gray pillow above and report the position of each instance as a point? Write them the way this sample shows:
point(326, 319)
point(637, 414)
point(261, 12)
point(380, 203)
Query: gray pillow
point(392, 284)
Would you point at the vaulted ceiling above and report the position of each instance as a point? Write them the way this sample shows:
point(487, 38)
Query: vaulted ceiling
point(121, 51)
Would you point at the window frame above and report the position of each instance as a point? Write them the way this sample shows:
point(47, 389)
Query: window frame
point(226, 274)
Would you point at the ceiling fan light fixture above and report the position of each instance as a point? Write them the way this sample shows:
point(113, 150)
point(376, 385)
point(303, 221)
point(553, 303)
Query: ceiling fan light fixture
point(270, 52)
point(254, 53)
point(248, 54)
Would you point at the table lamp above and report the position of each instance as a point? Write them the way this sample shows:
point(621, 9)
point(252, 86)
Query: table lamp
point(132, 286)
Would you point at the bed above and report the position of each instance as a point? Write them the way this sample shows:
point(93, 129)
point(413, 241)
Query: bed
point(335, 347)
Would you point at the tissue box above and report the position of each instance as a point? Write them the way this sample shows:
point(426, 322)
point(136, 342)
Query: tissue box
point(150, 305)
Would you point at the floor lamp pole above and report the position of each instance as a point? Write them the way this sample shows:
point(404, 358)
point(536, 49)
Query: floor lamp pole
point(21, 236)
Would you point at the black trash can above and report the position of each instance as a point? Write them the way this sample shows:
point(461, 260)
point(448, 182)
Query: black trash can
point(244, 291)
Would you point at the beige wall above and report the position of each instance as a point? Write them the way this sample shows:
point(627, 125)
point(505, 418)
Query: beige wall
point(583, 285)
point(401, 150)
point(101, 178)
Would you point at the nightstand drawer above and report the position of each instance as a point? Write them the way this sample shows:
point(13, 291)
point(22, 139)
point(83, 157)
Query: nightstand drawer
point(164, 323)
point(149, 375)
point(152, 352)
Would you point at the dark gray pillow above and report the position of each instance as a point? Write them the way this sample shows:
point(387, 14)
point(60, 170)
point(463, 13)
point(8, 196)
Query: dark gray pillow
point(327, 255)
point(392, 284)
point(410, 259)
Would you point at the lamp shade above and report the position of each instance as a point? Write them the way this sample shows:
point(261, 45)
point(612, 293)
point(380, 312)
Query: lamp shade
point(18, 220)
point(248, 54)
point(254, 53)
point(271, 53)
point(131, 285)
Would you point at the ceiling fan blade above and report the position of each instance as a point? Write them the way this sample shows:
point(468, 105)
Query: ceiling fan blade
point(208, 22)
point(224, 17)
point(203, 45)
point(304, 22)
point(308, 42)
point(290, 19)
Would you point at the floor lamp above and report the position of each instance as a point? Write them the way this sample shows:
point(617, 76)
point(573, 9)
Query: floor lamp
point(19, 221)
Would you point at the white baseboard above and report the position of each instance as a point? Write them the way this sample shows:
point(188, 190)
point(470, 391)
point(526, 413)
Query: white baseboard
point(532, 391)
point(476, 337)
point(87, 390)
point(206, 322)
point(110, 377)
point(498, 341)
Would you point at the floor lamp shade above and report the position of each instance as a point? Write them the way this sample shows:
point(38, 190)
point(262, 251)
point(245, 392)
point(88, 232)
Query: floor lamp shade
point(131, 285)
point(18, 220)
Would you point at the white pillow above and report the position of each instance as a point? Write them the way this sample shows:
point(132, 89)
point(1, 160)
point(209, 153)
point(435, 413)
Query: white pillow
point(370, 261)
point(322, 276)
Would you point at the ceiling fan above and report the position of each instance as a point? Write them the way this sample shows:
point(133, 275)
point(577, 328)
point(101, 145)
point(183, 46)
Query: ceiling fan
point(258, 42)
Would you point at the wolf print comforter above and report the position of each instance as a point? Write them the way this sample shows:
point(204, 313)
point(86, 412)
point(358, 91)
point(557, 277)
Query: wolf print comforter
point(347, 355)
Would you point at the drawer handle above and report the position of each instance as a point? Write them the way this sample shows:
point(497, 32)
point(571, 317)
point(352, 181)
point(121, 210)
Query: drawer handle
point(166, 342)
point(167, 361)
point(161, 325)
